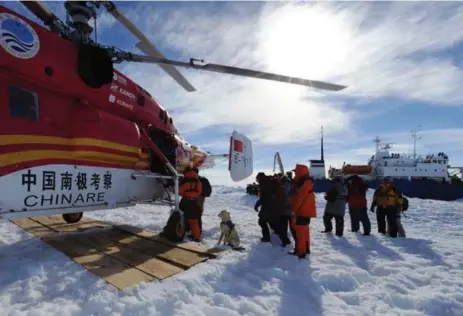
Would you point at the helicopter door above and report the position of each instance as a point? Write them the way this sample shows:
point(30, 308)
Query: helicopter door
point(166, 144)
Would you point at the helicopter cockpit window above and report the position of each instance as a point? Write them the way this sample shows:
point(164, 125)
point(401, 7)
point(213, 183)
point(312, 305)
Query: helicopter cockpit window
point(162, 114)
point(140, 99)
point(23, 103)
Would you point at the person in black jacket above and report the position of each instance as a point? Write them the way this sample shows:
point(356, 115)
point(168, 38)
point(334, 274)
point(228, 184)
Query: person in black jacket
point(357, 202)
point(207, 191)
point(285, 219)
point(271, 203)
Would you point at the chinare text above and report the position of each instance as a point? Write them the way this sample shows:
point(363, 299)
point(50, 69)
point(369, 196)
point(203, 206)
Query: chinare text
point(62, 199)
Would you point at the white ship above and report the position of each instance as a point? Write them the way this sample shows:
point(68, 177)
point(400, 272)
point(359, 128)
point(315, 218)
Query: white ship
point(398, 166)
point(408, 166)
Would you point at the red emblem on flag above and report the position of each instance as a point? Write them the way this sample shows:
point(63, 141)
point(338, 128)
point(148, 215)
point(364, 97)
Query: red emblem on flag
point(238, 145)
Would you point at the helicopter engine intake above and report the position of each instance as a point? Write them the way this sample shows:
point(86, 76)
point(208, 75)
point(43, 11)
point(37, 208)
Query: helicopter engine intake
point(94, 66)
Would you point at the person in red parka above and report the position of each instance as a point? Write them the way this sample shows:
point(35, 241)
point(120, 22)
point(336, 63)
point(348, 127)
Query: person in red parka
point(357, 201)
point(303, 208)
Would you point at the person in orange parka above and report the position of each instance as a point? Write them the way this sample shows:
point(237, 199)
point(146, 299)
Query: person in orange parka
point(190, 188)
point(303, 208)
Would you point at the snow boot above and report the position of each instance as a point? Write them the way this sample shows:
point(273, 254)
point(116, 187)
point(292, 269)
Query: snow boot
point(190, 237)
point(285, 243)
point(294, 253)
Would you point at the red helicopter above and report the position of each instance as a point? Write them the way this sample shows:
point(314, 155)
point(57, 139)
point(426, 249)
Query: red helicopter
point(78, 135)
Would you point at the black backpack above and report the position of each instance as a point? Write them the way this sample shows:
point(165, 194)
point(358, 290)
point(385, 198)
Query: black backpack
point(331, 195)
point(404, 199)
point(405, 204)
point(207, 189)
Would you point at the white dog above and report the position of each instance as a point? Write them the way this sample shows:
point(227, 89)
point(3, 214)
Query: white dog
point(228, 232)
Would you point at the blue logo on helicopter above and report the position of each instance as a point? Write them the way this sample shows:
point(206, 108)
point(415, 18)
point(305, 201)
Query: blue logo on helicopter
point(17, 37)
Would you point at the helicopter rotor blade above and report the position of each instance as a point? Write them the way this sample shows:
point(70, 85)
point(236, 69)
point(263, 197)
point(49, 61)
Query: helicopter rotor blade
point(46, 16)
point(40, 11)
point(271, 76)
point(152, 51)
point(146, 46)
point(231, 70)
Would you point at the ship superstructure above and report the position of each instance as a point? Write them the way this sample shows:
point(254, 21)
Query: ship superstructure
point(385, 163)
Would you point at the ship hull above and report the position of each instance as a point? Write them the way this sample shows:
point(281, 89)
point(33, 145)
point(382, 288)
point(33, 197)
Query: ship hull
point(423, 189)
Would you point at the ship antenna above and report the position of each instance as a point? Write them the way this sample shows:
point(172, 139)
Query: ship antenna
point(322, 154)
point(415, 138)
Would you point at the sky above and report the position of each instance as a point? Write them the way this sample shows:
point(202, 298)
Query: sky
point(401, 62)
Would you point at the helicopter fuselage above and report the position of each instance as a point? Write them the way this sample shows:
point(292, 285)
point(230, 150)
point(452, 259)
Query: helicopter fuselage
point(66, 110)
point(65, 145)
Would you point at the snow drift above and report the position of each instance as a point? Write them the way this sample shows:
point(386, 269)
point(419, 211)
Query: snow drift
point(352, 275)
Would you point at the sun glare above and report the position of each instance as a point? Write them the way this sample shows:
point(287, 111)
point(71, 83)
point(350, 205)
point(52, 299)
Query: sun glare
point(304, 41)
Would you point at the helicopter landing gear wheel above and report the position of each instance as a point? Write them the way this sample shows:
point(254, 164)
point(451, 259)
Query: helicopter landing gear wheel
point(72, 218)
point(175, 228)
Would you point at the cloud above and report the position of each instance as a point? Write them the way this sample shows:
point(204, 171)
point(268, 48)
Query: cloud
point(104, 22)
point(269, 113)
point(379, 50)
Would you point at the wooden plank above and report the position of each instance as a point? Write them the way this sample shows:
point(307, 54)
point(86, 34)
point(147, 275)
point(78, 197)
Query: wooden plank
point(57, 223)
point(180, 257)
point(58, 219)
point(122, 255)
point(112, 270)
point(152, 266)
point(33, 227)
point(191, 246)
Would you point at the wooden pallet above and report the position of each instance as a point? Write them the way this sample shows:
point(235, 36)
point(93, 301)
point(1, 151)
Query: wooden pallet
point(122, 255)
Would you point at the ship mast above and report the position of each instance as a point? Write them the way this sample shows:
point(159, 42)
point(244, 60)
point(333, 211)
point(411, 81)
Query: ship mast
point(322, 153)
point(377, 141)
point(415, 138)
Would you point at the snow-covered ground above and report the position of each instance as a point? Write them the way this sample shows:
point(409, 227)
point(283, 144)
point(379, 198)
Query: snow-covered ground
point(353, 275)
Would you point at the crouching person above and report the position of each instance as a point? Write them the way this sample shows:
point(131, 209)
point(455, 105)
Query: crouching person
point(190, 188)
point(304, 208)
